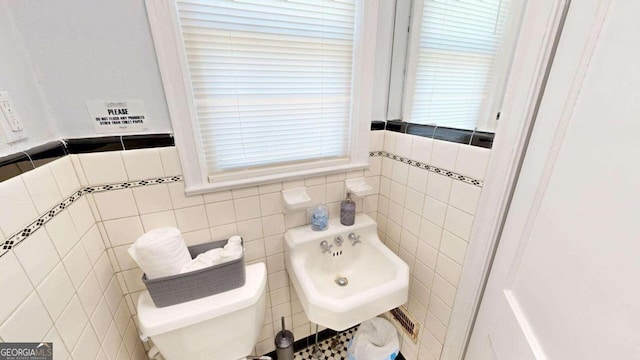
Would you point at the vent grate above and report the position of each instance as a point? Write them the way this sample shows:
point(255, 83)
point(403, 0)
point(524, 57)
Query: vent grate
point(407, 322)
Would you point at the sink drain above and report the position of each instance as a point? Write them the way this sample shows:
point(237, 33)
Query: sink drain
point(341, 281)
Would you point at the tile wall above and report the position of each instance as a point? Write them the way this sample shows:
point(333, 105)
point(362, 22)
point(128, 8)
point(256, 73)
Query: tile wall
point(426, 218)
point(58, 284)
point(72, 281)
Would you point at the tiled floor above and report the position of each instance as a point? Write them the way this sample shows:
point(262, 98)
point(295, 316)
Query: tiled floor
point(327, 352)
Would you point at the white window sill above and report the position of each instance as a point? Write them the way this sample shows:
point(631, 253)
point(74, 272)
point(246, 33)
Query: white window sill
point(194, 189)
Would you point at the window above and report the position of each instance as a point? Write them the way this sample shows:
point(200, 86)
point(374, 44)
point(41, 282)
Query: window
point(271, 89)
point(455, 74)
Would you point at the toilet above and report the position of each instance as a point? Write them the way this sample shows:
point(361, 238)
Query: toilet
point(224, 326)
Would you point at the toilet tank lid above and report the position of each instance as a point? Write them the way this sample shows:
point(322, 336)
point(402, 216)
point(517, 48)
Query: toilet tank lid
point(154, 321)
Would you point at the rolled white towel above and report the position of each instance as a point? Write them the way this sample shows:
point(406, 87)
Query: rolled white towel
point(160, 252)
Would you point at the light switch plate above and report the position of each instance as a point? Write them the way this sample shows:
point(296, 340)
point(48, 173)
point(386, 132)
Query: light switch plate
point(10, 123)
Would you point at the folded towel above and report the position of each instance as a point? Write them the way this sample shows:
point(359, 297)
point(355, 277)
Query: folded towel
point(231, 251)
point(160, 252)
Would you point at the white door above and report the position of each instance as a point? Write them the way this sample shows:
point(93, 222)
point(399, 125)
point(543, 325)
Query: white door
point(565, 283)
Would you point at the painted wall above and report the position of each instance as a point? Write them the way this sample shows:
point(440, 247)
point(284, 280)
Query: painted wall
point(17, 77)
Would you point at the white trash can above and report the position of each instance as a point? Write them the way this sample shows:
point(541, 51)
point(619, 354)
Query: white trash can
point(376, 339)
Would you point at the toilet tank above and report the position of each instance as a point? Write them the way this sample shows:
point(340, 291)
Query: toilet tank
point(219, 327)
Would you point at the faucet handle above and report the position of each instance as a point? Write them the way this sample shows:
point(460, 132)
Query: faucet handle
point(355, 239)
point(338, 240)
point(325, 246)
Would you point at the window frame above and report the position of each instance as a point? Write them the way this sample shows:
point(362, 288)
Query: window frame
point(167, 38)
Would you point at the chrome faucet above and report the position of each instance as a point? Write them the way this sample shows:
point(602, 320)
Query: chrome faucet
point(355, 239)
point(325, 246)
point(338, 240)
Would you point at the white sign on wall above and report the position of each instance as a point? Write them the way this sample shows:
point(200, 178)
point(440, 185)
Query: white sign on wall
point(117, 116)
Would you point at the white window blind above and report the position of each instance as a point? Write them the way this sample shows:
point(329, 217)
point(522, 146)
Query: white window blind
point(458, 44)
point(271, 79)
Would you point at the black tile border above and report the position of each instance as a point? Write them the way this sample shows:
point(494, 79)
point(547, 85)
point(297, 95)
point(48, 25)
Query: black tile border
point(468, 137)
point(448, 173)
point(378, 125)
point(19, 163)
point(22, 234)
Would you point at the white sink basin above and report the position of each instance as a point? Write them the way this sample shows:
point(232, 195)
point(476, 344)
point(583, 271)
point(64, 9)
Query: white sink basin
point(377, 279)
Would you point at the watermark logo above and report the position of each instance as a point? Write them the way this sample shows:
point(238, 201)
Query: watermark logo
point(26, 351)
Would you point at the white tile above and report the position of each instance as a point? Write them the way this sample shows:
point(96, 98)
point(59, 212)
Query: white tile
point(448, 269)
point(93, 244)
point(370, 203)
point(396, 212)
point(444, 154)
point(37, 255)
point(472, 161)
point(217, 196)
point(170, 161)
point(103, 167)
point(122, 317)
point(59, 349)
point(270, 188)
point(88, 345)
point(196, 237)
point(180, 199)
point(158, 220)
point(90, 293)
point(459, 223)
point(291, 219)
point(152, 198)
point(419, 291)
point(400, 172)
point(62, 232)
point(376, 140)
point(387, 167)
point(244, 192)
point(409, 242)
point(389, 141)
point(317, 193)
point(250, 229)
point(404, 145)
point(113, 294)
point(133, 279)
point(56, 290)
point(43, 188)
point(77, 166)
point(439, 187)
point(414, 201)
point(143, 164)
point(271, 204)
point(17, 209)
point(192, 218)
point(65, 176)
point(273, 245)
point(14, 283)
point(77, 264)
point(116, 204)
point(430, 345)
point(441, 310)
point(221, 213)
point(444, 290)
point(464, 196)
point(125, 261)
point(101, 319)
point(280, 296)
point(411, 222)
point(292, 184)
point(430, 233)
point(417, 179)
point(131, 337)
point(28, 323)
point(421, 149)
point(427, 254)
point(436, 328)
point(313, 181)
point(453, 247)
point(434, 210)
point(123, 231)
point(398, 193)
point(423, 274)
point(254, 250)
point(375, 167)
point(223, 232)
point(103, 271)
point(71, 322)
point(112, 342)
point(82, 216)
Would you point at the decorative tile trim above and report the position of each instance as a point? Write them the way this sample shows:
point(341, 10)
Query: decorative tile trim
point(27, 231)
point(461, 136)
point(434, 169)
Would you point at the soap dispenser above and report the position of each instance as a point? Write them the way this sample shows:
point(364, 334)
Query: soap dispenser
point(347, 211)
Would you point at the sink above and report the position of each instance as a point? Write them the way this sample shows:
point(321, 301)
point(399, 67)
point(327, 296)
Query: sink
point(342, 286)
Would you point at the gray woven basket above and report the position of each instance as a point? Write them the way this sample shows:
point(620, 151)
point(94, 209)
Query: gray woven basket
point(197, 284)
